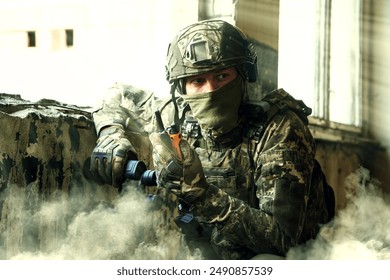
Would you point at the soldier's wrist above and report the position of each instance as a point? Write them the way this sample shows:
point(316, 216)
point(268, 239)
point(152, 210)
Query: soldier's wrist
point(110, 129)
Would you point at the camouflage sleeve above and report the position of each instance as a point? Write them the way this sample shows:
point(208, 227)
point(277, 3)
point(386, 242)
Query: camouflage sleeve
point(285, 166)
point(126, 106)
point(285, 159)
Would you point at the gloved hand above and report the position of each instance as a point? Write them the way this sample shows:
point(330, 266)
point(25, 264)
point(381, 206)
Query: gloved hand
point(181, 174)
point(110, 155)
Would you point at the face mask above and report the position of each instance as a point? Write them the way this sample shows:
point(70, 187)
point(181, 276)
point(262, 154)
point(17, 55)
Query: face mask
point(217, 111)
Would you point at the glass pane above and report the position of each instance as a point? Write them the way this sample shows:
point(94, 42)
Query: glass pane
point(344, 80)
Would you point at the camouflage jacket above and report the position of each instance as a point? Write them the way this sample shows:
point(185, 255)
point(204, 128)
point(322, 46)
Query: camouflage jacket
point(267, 192)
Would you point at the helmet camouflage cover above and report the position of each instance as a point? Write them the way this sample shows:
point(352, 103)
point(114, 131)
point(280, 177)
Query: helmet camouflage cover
point(210, 45)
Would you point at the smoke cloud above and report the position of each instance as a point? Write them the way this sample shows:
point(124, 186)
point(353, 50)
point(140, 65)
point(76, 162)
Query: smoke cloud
point(360, 231)
point(129, 228)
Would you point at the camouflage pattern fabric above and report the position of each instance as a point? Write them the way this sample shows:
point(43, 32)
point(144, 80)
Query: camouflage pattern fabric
point(265, 196)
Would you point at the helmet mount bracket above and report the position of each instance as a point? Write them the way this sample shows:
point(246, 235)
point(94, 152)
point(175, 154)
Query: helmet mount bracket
point(198, 51)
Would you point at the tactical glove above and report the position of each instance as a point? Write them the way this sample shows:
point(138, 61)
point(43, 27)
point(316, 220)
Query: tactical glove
point(181, 174)
point(110, 155)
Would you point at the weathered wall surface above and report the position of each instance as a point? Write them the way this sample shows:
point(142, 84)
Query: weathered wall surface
point(49, 206)
point(342, 158)
point(338, 161)
point(43, 149)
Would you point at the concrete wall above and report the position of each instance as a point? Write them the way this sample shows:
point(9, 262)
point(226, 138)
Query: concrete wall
point(259, 20)
point(43, 152)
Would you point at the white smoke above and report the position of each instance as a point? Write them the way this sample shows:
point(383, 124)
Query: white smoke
point(130, 229)
point(127, 229)
point(360, 231)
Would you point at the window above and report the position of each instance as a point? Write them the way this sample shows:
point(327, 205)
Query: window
point(69, 37)
point(31, 39)
point(319, 57)
point(344, 63)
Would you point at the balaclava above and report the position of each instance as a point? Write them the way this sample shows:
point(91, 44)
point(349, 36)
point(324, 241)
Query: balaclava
point(218, 111)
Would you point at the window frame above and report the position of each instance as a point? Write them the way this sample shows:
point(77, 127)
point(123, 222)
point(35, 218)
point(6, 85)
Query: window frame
point(321, 118)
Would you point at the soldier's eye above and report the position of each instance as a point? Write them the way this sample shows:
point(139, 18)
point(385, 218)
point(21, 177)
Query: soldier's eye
point(222, 76)
point(197, 81)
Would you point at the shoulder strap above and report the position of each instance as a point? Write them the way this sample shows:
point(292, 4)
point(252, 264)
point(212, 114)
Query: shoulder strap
point(260, 113)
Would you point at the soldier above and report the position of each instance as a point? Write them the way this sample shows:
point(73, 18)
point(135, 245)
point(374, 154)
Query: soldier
point(245, 174)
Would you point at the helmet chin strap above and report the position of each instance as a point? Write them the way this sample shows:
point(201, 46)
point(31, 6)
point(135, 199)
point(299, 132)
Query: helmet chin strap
point(180, 86)
point(177, 120)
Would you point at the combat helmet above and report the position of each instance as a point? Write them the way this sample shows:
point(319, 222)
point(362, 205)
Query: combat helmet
point(210, 45)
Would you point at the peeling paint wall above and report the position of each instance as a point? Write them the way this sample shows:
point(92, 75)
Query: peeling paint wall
point(44, 147)
point(51, 208)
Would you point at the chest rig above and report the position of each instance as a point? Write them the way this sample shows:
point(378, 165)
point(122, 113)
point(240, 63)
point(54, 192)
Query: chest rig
point(231, 164)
